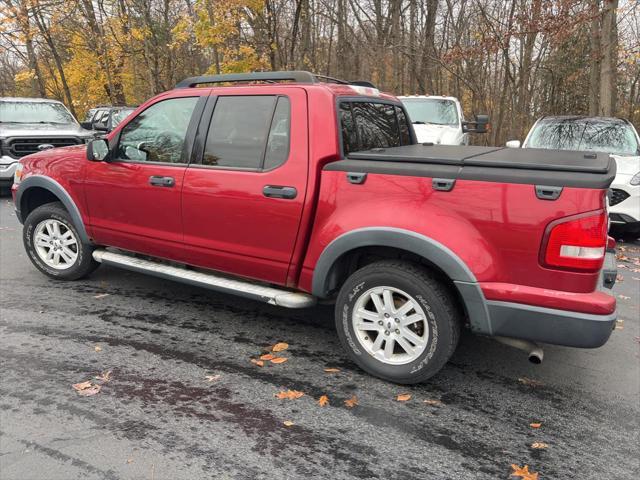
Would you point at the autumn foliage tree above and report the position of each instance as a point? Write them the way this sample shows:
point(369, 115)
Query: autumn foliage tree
point(513, 59)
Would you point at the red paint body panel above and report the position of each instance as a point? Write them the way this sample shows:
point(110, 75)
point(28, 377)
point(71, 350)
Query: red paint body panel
point(229, 225)
point(66, 166)
point(594, 302)
point(495, 228)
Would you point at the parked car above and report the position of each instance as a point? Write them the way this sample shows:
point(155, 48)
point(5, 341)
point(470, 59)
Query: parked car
point(615, 136)
point(440, 120)
point(28, 125)
point(106, 118)
point(290, 192)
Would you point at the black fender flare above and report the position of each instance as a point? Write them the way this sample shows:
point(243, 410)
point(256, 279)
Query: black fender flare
point(55, 188)
point(431, 250)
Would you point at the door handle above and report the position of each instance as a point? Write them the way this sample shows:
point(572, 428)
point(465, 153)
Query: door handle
point(158, 181)
point(274, 191)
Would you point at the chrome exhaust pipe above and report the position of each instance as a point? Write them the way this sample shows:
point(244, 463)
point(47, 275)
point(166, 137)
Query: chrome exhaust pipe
point(534, 351)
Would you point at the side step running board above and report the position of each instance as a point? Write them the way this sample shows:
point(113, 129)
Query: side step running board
point(274, 296)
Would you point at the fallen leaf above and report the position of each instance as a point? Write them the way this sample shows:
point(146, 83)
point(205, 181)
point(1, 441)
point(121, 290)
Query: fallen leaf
point(619, 324)
point(622, 265)
point(323, 401)
point(619, 278)
point(539, 445)
point(403, 397)
point(104, 376)
point(97, 348)
point(432, 402)
point(289, 394)
point(331, 370)
point(279, 347)
point(82, 385)
point(288, 423)
point(259, 363)
point(102, 295)
point(351, 402)
point(530, 382)
point(129, 460)
point(212, 378)
point(279, 360)
point(623, 297)
point(523, 472)
point(92, 390)
point(267, 356)
point(535, 425)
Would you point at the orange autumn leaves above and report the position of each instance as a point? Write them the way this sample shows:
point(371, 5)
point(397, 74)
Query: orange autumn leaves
point(289, 395)
point(323, 401)
point(523, 472)
point(271, 356)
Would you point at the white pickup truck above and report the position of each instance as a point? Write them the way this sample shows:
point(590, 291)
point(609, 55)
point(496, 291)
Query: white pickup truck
point(440, 120)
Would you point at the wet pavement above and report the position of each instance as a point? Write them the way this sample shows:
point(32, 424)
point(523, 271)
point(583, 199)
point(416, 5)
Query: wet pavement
point(160, 418)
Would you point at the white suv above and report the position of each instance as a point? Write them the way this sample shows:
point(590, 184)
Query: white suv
point(439, 120)
point(599, 134)
point(28, 125)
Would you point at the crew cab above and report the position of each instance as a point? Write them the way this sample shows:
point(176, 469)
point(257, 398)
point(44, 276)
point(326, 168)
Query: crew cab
point(286, 189)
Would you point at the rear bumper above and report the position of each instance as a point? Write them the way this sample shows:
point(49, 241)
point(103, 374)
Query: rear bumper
point(583, 320)
point(547, 325)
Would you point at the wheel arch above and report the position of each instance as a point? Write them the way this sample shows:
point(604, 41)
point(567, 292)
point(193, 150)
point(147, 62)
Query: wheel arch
point(38, 190)
point(333, 265)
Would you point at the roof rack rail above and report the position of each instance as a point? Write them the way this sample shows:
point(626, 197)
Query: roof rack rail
point(295, 76)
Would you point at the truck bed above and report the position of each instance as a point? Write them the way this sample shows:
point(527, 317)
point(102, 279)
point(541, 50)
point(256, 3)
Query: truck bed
point(530, 166)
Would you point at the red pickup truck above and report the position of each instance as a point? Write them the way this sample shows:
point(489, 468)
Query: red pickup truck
point(286, 189)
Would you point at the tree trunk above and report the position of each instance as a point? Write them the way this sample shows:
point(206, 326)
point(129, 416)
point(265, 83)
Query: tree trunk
point(608, 86)
point(525, 70)
point(594, 68)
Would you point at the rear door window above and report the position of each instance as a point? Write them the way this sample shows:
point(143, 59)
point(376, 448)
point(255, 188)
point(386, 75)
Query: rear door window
point(367, 125)
point(248, 132)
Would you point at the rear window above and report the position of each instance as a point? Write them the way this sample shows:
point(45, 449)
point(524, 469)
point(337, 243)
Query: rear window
point(367, 125)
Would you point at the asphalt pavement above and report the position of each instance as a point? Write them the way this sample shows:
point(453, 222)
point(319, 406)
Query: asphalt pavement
point(160, 417)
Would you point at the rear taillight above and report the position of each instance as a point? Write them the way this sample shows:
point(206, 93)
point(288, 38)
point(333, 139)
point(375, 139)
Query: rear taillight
point(577, 242)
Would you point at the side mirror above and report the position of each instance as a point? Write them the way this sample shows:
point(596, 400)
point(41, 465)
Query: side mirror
point(513, 144)
point(478, 125)
point(100, 127)
point(98, 150)
point(86, 125)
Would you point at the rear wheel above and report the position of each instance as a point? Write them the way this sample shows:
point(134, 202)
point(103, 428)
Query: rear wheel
point(397, 321)
point(54, 244)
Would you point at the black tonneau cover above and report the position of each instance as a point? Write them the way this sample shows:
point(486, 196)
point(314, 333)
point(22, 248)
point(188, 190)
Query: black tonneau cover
point(528, 165)
point(529, 158)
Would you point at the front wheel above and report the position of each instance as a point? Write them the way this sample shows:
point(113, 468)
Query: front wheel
point(397, 321)
point(54, 244)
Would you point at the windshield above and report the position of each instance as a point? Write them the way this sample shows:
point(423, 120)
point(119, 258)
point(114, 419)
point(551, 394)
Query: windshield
point(34, 112)
point(120, 115)
point(613, 137)
point(431, 110)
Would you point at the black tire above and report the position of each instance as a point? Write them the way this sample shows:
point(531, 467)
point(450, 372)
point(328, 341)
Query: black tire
point(441, 312)
point(83, 265)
